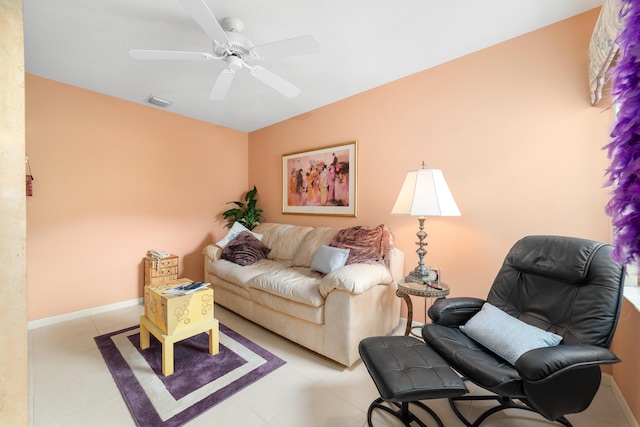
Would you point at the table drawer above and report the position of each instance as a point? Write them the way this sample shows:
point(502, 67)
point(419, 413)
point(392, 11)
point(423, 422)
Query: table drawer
point(167, 271)
point(156, 264)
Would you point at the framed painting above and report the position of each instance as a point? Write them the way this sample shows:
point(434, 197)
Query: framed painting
point(321, 181)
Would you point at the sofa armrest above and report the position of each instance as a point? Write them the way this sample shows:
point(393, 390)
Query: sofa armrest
point(453, 312)
point(542, 364)
point(396, 264)
point(212, 252)
point(355, 278)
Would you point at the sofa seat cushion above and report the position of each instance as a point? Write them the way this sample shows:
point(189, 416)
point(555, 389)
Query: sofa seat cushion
point(219, 283)
point(241, 275)
point(298, 284)
point(355, 278)
point(289, 307)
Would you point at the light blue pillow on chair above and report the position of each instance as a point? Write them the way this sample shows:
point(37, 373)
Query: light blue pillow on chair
point(505, 335)
point(329, 258)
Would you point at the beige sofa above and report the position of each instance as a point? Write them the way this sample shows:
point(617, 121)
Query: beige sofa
point(328, 314)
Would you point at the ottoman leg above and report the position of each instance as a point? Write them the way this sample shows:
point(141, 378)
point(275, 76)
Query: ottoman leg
point(403, 414)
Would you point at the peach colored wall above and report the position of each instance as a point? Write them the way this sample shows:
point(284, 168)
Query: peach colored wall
point(511, 127)
point(112, 180)
point(520, 146)
point(627, 347)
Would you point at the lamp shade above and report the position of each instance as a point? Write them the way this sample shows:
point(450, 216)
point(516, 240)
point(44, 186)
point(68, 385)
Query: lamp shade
point(425, 193)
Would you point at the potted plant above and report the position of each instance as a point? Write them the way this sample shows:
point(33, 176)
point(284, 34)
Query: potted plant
point(245, 213)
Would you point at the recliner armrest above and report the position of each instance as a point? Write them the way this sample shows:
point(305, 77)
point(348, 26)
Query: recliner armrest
point(453, 312)
point(542, 364)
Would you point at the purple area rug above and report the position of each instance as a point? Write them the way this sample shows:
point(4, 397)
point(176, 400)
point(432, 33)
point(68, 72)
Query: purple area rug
point(199, 382)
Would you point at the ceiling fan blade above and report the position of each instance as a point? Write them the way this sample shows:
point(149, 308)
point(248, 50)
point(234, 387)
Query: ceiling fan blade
point(223, 82)
point(201, 13)
point(278, 83)
point(303, 45)
point(170, 54)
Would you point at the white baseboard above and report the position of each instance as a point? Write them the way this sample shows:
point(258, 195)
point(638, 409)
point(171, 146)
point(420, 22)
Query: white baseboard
point(48, 321)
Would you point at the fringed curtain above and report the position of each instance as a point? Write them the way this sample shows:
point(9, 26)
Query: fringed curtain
point(603, 47)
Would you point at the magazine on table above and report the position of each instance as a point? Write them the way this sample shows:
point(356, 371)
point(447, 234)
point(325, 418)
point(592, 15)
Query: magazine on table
point(186, 288)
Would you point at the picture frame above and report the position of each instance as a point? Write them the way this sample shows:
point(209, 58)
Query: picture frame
point(321, 181)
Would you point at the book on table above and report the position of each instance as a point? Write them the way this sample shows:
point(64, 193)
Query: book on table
point(185, 288)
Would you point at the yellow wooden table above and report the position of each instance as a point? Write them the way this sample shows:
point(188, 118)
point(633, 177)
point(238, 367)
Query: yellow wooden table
point(167, 341)
point(172, 318)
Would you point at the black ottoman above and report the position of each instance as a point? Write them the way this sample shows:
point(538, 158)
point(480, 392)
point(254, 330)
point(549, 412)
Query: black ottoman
point(406, 370)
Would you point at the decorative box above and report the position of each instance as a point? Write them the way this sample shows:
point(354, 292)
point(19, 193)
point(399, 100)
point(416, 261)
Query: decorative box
point(174, 313)
point(163, 270)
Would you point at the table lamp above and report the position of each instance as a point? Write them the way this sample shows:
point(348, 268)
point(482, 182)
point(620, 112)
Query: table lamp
point(424, 193)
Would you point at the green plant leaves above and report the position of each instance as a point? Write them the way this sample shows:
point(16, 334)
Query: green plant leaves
point(246, 214)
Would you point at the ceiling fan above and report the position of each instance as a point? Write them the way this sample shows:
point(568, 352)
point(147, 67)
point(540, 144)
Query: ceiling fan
point(236, 50)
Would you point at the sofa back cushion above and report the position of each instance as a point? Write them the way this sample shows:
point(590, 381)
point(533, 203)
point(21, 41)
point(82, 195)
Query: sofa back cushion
point(312, 241)
point(283, 239)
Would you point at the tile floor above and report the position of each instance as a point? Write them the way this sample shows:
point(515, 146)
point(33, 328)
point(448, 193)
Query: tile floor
point(71, 386)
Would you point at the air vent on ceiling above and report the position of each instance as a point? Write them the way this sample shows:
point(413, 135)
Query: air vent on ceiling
point(160, 102)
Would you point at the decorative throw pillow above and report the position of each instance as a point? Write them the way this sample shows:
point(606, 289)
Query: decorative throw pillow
point(328, 259)
point(245, 249)
point(365, 244)
point(505, 335)
point(234, 231)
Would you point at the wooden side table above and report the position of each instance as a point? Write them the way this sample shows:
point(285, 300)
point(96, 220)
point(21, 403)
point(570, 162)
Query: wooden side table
point(167, 341)
point(406, 289)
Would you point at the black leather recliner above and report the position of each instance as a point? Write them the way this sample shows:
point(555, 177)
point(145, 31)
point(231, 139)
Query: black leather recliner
point(564, 285)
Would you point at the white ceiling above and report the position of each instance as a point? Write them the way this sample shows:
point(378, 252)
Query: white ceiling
point(364, 44)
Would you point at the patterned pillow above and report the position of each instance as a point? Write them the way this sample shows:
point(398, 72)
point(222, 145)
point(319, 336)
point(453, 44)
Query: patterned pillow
point(245, 249)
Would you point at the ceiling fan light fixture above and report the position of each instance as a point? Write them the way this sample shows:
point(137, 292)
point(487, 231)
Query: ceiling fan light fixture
point(234, 63)
point(160, 102)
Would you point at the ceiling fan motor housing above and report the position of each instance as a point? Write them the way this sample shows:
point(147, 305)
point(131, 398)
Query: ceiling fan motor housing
point(239, 45)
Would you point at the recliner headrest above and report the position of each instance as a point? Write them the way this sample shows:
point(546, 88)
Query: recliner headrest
point(562, 258)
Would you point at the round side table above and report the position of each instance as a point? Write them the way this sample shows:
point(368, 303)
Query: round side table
point(406, 289)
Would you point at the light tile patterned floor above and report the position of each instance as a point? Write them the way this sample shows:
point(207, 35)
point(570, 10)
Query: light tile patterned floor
point(71, 386)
